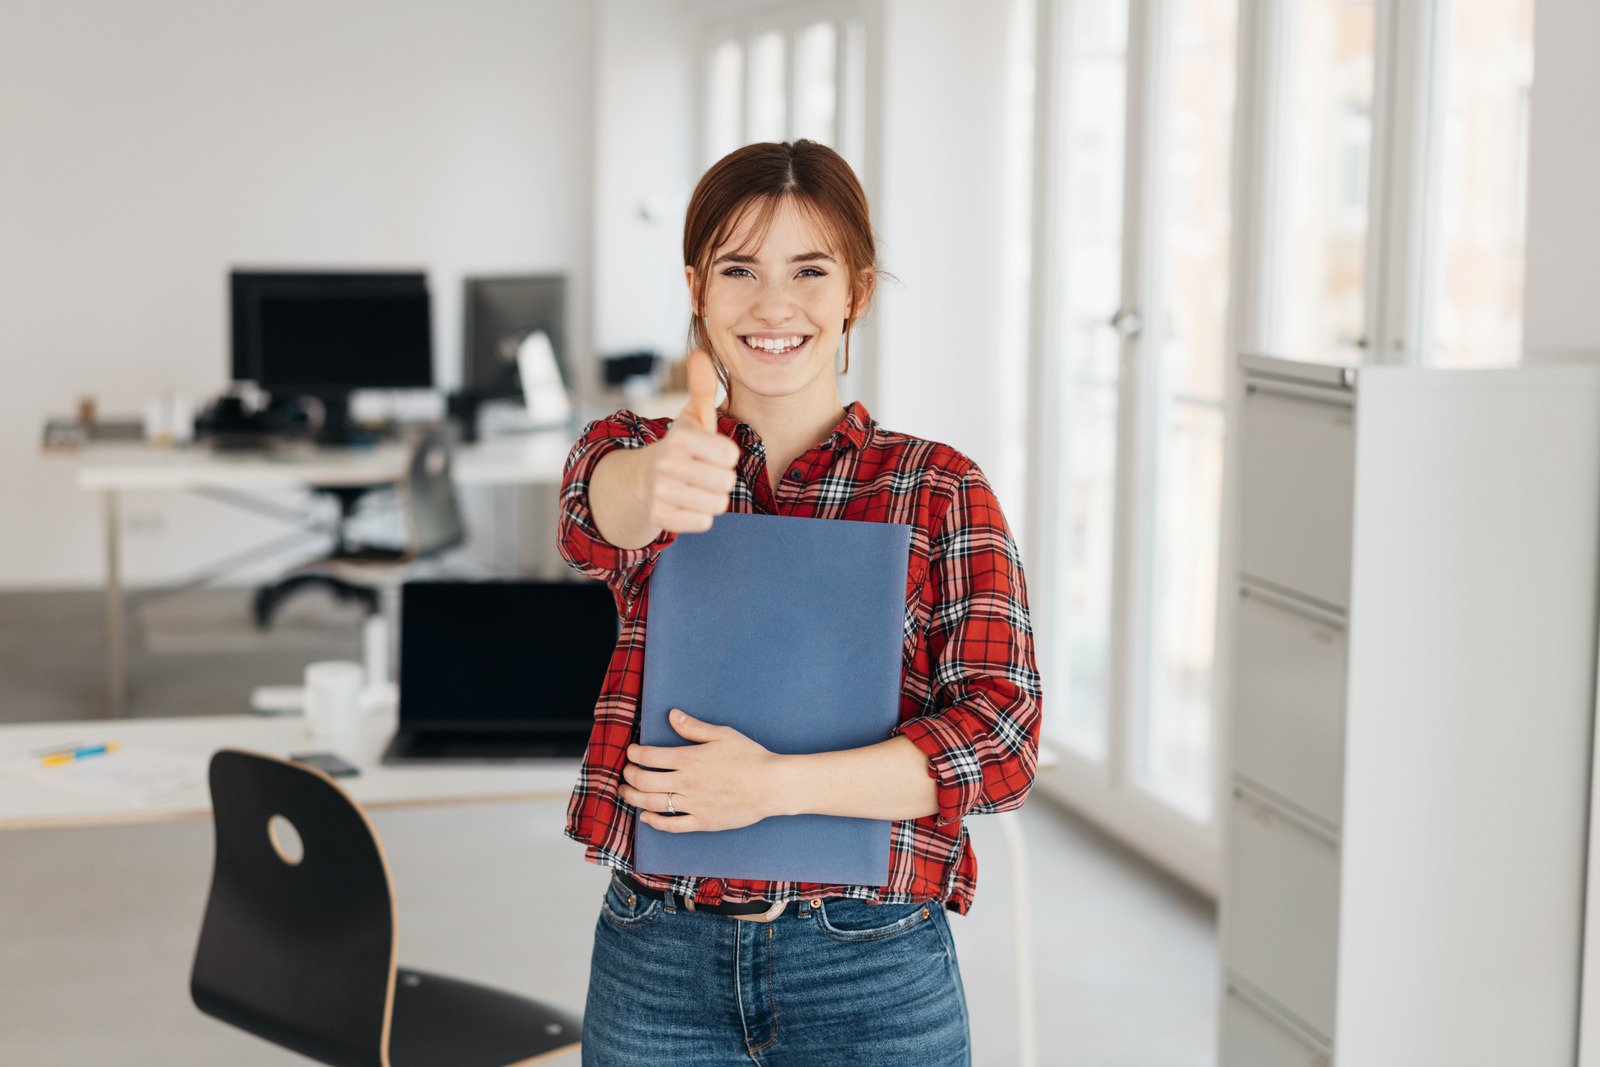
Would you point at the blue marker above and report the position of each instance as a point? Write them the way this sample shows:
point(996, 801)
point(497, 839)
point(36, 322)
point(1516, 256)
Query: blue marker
point(72, 755)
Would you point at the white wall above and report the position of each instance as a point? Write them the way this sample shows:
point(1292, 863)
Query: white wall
point(644, 170)
point(1562, 305)
point(151, 145)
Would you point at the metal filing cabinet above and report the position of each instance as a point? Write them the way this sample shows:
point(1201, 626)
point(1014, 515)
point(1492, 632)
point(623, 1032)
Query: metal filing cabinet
point(1410, 715)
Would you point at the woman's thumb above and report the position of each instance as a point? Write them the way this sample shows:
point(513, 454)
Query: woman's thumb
point(702, 406)
point(687, 725)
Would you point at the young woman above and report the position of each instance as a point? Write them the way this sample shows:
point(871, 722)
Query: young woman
point(780, 261)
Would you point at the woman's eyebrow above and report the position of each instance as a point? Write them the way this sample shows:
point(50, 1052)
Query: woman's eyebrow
point(803, 257)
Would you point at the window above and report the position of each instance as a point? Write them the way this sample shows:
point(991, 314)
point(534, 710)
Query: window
point(816, 83)
point(1418, 113)
point(724, 110)
point(1384, 155)
point(1139, 115)
point(1326, 156)
point(781, 75)
point(1478, 243)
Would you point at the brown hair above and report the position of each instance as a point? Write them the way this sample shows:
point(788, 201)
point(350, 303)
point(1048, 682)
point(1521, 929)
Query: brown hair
point(756, 180)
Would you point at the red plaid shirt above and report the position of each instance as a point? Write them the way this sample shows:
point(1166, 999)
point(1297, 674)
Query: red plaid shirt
point(970, 692)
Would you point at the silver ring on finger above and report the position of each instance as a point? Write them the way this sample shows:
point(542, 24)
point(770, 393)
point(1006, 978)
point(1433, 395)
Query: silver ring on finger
point(670, 809)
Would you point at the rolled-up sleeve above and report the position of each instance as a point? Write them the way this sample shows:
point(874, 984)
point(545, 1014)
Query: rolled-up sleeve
point(624, 570)
point(983, 742)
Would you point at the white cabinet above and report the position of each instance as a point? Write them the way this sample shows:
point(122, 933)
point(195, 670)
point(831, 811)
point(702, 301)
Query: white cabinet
point(1288, 707)
point(1412, 696)
point(1252, 1037)
point(1282, 886)
point(1298, 494)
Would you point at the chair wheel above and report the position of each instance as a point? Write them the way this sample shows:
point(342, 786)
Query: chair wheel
point(265, 604)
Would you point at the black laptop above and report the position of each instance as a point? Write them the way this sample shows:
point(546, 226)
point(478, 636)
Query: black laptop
point(501, 670)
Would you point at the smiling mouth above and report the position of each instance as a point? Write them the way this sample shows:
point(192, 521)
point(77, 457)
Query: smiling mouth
point(776, 346)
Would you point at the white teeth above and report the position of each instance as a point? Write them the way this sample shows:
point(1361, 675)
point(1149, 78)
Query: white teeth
point(775, 345)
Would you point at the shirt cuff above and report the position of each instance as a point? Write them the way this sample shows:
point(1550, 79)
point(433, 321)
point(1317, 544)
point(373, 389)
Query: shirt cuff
point(609, 557)
point(952, 764)
point(636, 565)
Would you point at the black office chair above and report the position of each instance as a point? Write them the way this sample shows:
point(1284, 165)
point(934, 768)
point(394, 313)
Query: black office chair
point(354, 571)
point(300, 949)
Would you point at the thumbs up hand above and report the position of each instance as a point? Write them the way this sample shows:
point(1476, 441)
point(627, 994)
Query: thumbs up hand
point(702, 406)
point(691, 470)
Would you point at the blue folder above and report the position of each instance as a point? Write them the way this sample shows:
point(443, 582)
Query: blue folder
point(791, 631)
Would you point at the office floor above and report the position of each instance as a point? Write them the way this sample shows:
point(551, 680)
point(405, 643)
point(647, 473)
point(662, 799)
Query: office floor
point(97, 926)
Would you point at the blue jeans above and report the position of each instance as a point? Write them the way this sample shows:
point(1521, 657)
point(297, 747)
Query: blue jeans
point(844, 982)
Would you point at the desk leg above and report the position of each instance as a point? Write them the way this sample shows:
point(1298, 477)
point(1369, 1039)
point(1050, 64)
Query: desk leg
point(115, 623)
point(1022, 933)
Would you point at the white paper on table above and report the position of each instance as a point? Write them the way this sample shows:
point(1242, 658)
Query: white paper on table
point(543, 393)
point(130, 775)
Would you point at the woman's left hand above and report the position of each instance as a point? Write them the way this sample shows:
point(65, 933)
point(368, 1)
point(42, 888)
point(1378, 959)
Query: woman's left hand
point(722, 782)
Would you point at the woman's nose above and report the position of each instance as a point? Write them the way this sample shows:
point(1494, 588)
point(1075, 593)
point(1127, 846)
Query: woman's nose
point(773, 306)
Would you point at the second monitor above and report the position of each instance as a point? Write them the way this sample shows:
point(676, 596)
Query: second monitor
point(499, 313)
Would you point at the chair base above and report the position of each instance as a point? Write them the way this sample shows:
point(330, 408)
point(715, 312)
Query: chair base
point(446, 1022)
point(270, 597)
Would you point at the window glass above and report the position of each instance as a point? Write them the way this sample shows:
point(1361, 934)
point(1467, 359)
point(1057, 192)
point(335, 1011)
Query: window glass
point(1328, 148)
point(724, 100)
point(769, 96)
point(1085, 438)
point(1173, 737)
point(1483, 183)
point(816, 52)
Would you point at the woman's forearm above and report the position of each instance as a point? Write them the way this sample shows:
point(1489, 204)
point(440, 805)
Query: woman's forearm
point(620, 507)
point(889, 780)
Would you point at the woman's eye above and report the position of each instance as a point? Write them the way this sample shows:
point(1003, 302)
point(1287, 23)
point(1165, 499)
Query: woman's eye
point(736, 272)
point(813, 272)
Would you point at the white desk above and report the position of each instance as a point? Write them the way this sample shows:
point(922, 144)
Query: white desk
point(111, 469)
point(520, 459)
point(26, 804)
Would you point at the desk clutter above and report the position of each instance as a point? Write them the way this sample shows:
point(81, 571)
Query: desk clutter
point(108, 770)
point(224, 425)
point(304, 343)
point(69, 435)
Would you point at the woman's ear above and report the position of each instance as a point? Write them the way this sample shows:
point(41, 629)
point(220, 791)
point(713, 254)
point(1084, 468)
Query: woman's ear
point(688, 278)
point(863, 293)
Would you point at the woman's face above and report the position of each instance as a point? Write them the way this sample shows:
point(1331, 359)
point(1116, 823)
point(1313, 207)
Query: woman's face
point(775, 316)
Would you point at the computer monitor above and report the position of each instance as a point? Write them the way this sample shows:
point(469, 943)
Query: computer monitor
point(327, 333)
point(500, 312)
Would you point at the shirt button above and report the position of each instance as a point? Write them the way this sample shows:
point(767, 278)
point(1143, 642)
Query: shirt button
point(795, 474)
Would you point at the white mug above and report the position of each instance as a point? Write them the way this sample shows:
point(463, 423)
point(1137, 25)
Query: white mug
point(333, 700)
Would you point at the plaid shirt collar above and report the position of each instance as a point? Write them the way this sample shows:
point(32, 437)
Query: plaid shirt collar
point(854, 430)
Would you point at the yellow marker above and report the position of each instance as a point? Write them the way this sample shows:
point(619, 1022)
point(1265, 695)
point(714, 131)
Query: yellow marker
point(73, 755)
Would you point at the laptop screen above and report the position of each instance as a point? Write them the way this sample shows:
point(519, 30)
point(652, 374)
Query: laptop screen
point(504, 654)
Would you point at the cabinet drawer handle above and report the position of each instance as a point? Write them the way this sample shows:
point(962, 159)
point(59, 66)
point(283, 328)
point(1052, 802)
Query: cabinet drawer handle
point(1249, 590)
point(1266, 810)
point(1294, 391)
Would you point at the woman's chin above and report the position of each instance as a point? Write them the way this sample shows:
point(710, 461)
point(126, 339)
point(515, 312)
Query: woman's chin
point(794, 379)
